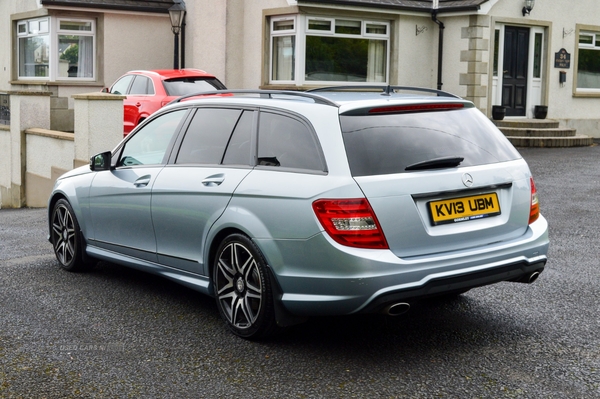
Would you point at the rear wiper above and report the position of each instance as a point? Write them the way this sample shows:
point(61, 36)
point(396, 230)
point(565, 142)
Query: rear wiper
point(444, 162)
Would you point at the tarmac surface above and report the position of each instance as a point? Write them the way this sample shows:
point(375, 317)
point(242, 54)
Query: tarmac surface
point(118, 333)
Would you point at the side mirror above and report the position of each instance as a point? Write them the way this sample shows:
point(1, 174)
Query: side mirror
point(105, 90)
point(101, 161)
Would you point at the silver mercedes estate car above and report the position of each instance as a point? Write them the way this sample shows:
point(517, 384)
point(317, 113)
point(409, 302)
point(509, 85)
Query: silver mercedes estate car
point(285, 205)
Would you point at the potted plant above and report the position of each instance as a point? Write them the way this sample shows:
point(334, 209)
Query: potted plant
point(498, 112)
point(540, 111)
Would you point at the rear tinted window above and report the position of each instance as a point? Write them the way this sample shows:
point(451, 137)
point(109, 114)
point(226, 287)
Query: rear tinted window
point(184, 86)
point(288, 143)
point(386, 144)
point(207, 136)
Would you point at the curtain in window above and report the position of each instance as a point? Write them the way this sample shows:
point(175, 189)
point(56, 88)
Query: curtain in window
point(86, 57)
point(377, 61)
point(284, 49)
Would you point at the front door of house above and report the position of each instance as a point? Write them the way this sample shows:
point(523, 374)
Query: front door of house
point(514, 78)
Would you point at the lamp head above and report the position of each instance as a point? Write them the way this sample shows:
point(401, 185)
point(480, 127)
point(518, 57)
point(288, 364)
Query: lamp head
point(528, 7)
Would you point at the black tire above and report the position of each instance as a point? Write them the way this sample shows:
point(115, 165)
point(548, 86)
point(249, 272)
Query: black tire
point(66, 237)
point(242, 288)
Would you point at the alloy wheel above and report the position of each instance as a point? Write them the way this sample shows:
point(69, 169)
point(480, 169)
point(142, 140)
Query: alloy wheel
point(239, 285)
point(64, 235)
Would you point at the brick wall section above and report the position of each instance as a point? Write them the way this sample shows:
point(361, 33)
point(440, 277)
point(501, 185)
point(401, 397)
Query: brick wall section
point(476, 57)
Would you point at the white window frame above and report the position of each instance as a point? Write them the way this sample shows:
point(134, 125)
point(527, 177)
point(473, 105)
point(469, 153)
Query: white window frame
point(32, 29)
point(54, 31)
point(280, 33)
point(301, 31)
point(595, 35)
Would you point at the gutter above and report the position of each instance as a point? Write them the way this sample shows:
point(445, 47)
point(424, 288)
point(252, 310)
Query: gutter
point(399, 5)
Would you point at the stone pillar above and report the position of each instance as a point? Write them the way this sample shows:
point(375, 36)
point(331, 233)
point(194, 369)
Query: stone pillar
point(98, 124)
point(28, 109)
point(476, 57)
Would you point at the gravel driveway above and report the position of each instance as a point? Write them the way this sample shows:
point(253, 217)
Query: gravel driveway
point(118, 333)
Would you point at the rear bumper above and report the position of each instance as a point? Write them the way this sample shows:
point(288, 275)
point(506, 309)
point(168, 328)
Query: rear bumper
point(513, 272)
point(320, 277)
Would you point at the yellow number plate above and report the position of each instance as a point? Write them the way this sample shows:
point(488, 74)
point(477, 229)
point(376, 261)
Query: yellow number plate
point(464, 209)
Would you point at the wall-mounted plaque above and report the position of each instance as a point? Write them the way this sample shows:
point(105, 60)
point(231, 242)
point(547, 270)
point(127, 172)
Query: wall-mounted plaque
point(562, 59)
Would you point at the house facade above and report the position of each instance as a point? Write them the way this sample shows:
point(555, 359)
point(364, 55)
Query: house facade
point(514, 53)
point(489, 51)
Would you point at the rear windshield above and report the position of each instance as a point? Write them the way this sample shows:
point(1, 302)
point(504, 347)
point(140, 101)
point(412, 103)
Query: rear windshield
point(184, 86)
point(386, 144)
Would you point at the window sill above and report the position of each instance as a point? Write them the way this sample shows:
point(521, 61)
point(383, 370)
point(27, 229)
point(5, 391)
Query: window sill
point(55, 83)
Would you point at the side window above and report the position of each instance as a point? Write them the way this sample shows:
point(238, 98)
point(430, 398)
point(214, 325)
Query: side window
point(141, 85)
point(287, 142)
point(239, 148)
point(207, 136)
point(149, 145)
point(121, 85)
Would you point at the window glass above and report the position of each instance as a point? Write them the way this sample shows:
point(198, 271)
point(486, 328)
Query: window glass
point(288, 143)
point(280, 25)
point(76, 56)
point(586, 39)
point(537, 56)
point(184, 86)
point(345, 59)
point(347, 27)
point(141, 85)
point(149, 145)
point(376, 29)
point(324, 25)
point(207, 136)
point(121, 85)
point(76, 25)
point(283, 63)
point(588, 62)
point(386, 144)
point(34, 56)
point(239, 150)
point(496, 48)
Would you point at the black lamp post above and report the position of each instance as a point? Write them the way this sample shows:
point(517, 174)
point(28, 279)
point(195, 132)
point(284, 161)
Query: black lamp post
point(177, 14)
point(528, 6)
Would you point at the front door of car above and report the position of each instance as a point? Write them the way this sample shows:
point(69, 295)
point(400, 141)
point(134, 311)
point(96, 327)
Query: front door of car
point(192, 193)
point(120, 199)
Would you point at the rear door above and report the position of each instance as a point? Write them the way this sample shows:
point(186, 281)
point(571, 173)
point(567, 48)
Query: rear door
point(140, 102)
point(438, 181)
point(193, 191)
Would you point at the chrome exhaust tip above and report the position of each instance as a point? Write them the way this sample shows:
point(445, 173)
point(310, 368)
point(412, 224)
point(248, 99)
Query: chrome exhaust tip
point(533, 276)
point(396, 309)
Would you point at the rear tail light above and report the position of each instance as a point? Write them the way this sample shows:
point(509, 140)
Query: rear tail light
point(350, 222)
point(534, 211)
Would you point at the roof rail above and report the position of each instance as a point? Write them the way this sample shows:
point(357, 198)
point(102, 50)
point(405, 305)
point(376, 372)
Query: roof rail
point(263, 94)
point(387, 90)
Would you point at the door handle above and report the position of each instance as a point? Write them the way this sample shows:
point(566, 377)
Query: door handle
point(138, 104)
point(142, 181)
point(214, 180)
